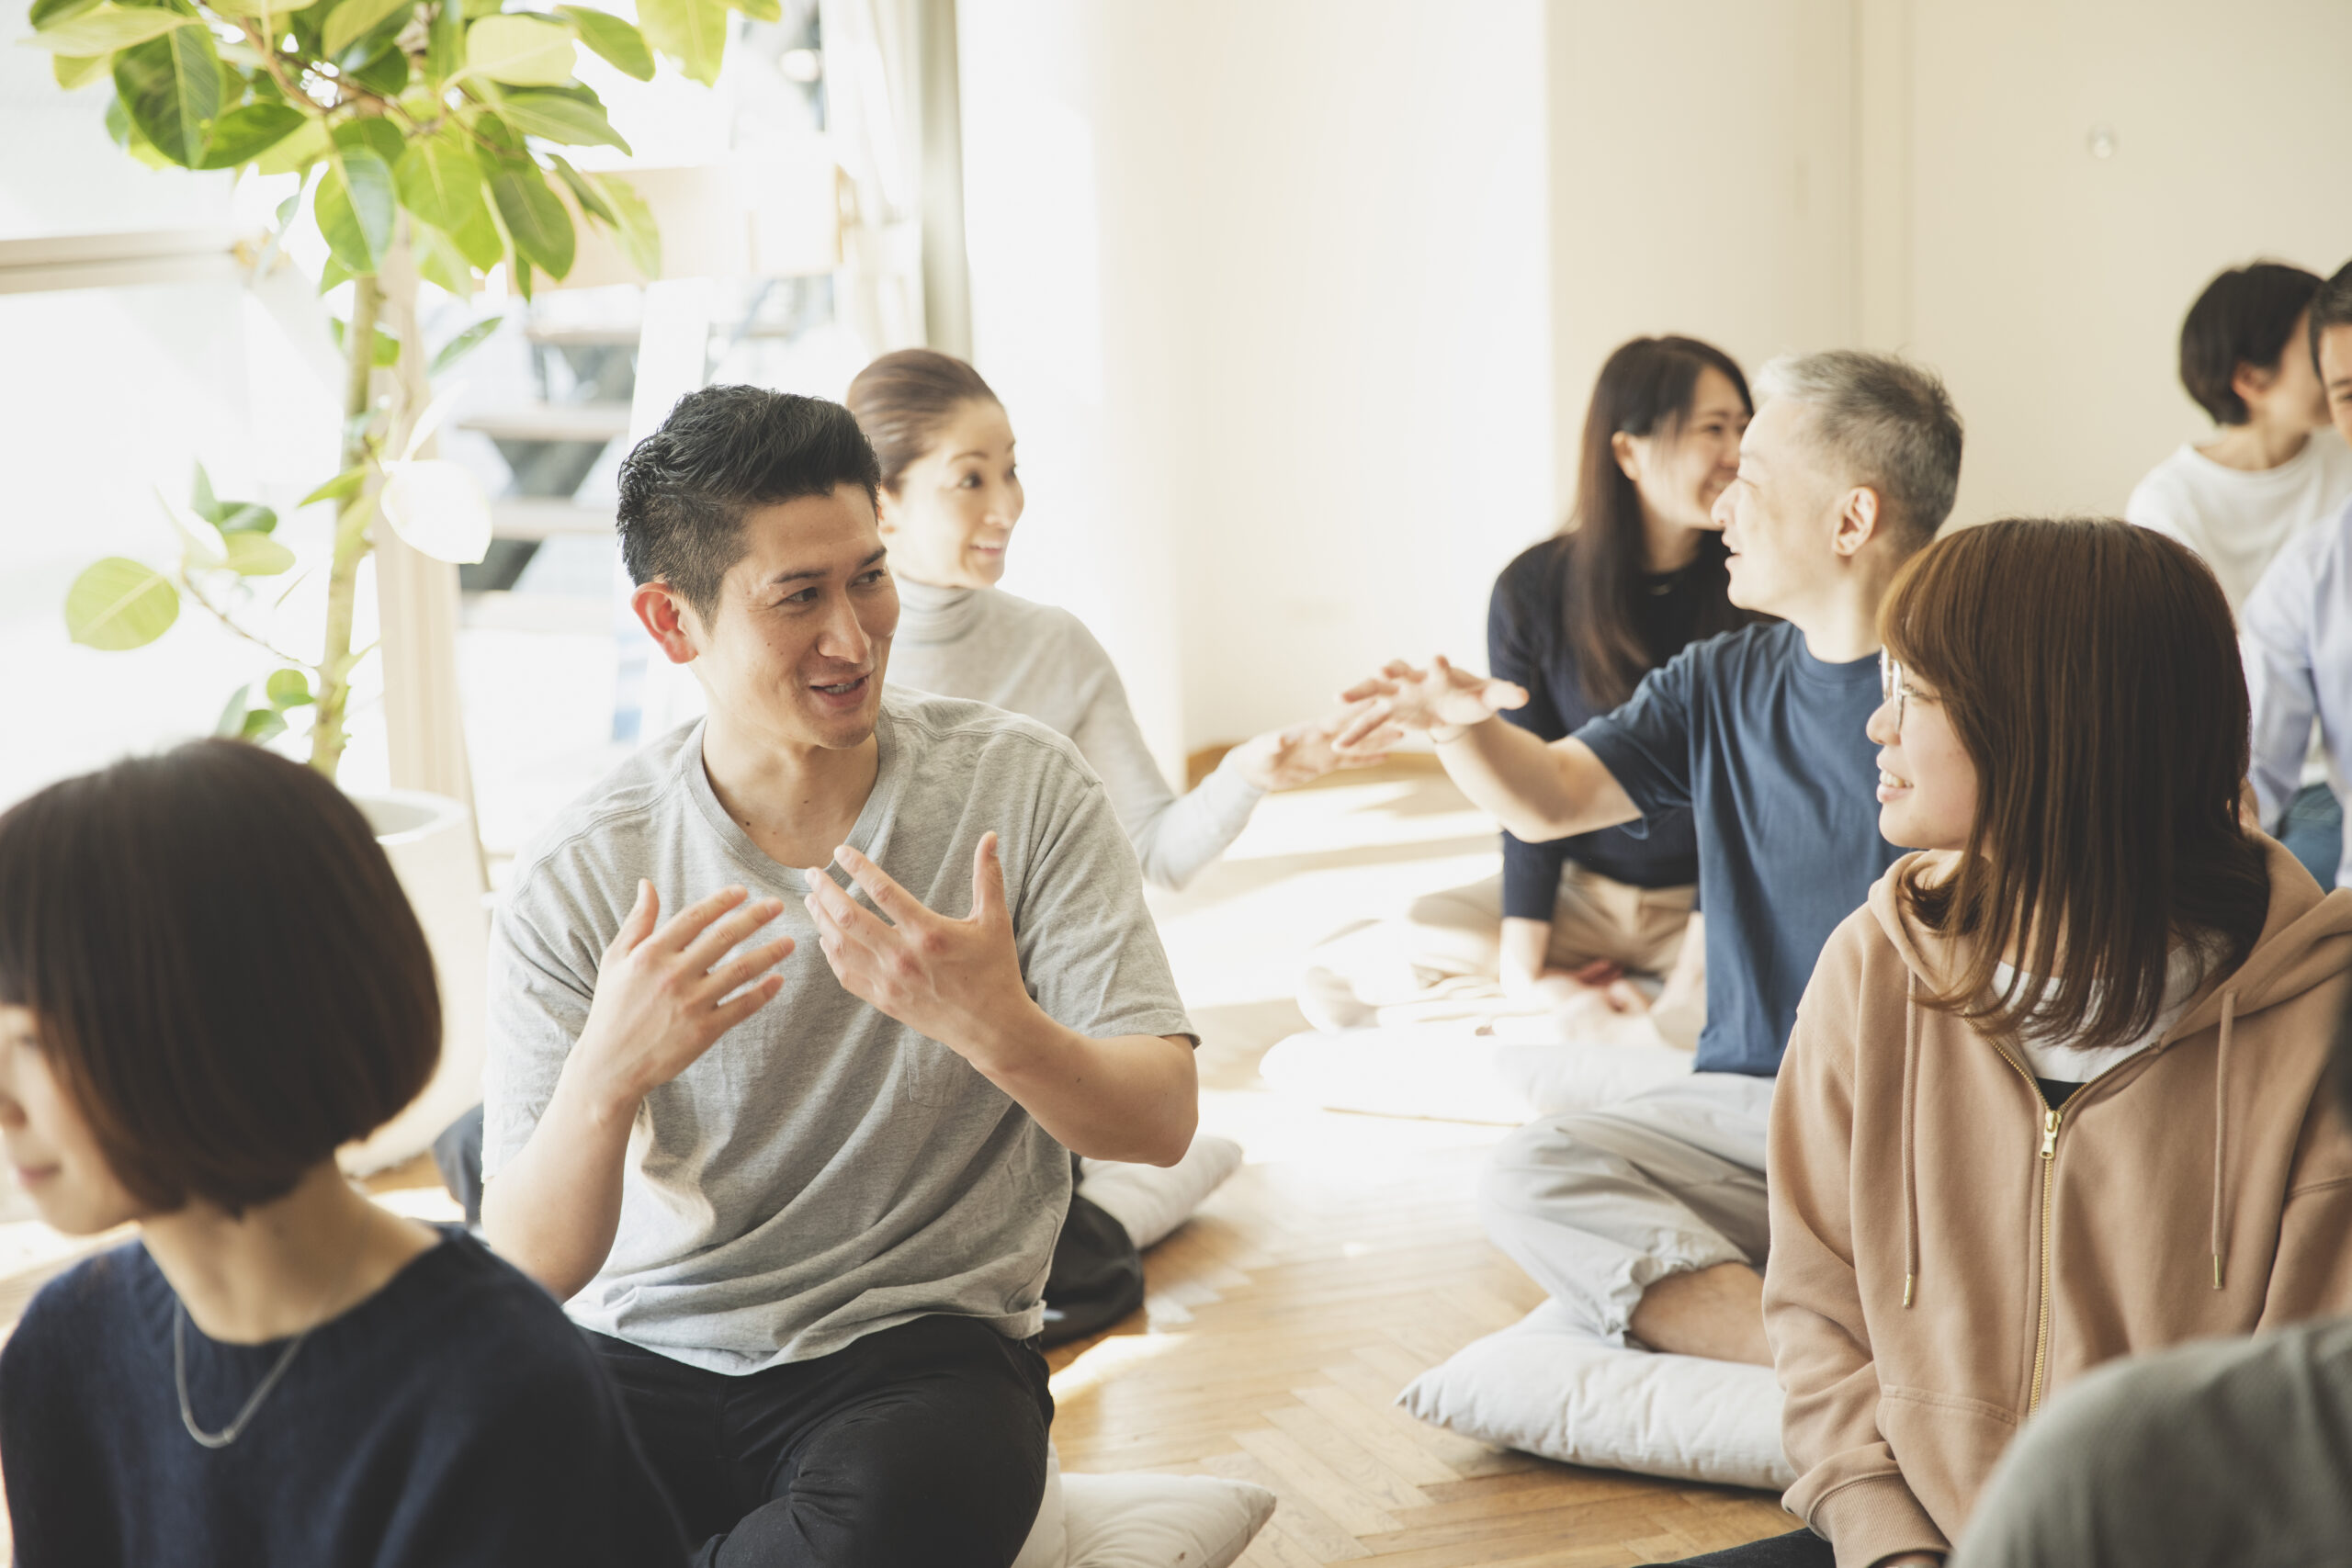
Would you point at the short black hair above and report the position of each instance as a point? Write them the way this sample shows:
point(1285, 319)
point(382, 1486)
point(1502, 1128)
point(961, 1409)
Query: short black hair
point(724, 449)
point(226, 977)
point(2331, 306)
point(2245, 316)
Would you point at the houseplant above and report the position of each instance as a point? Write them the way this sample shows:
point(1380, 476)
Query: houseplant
point(426, 134)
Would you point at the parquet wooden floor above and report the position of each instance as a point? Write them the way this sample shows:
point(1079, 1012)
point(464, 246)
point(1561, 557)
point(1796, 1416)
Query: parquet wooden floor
point(1281, 1322)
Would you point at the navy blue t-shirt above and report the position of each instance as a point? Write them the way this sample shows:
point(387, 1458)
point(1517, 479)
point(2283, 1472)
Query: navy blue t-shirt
point(454, 1419)
point(1527, 641)
point(1764, 742)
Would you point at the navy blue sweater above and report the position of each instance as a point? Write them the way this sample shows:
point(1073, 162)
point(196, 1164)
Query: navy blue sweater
point(455, 1419)
point(1527, 641)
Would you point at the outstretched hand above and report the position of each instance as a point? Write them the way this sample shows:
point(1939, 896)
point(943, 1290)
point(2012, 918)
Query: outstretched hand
point(1284, 759)
point(1440, 700)
point(662, 995)
point(956, 981)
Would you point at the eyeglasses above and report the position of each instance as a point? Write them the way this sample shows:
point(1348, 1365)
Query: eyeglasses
point(1893, 688)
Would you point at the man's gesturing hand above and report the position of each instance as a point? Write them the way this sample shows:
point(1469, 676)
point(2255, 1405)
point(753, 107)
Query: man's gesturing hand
point(957, 982)
point(664, 997)
point(1440, 700)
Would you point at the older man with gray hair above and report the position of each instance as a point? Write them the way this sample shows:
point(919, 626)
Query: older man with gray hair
point(1646, 1220)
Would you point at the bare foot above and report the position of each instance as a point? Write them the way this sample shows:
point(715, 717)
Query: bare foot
point(1718, 1313)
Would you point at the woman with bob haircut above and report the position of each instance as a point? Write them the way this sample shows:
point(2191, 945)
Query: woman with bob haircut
point(210, 981)
point(2057, 1093)
point(1635, 575)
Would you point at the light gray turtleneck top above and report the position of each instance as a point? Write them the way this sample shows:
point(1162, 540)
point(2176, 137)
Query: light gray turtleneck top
point(985, 645)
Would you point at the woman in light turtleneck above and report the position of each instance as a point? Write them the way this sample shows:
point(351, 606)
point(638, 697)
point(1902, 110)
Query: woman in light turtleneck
point(950, 497)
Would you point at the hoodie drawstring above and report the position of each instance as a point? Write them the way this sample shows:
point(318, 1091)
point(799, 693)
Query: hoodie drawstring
point(2220, 1121)
point(1910, 1112)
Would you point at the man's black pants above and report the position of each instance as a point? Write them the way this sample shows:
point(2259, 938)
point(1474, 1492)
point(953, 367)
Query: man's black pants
point(923, 1444)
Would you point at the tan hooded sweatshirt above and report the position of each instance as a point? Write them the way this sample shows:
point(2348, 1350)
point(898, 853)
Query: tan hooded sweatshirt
point(1946, 1250)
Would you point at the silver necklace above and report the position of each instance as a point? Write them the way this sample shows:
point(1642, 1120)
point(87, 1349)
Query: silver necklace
point(236, 1428)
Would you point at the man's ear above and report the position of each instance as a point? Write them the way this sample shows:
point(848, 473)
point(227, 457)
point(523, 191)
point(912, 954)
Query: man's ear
point(886, 508)
point(1629, 461)
point(1858, 522)
point(662, 611)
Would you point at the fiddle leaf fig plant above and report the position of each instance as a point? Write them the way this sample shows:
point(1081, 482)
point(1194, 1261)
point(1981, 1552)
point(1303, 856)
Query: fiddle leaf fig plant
point(426, 135)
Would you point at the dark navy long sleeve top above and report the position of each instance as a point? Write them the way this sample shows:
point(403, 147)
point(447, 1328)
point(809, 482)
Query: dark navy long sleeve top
point(1527, 641)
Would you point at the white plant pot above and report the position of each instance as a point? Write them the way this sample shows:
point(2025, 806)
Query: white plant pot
point(430, 839)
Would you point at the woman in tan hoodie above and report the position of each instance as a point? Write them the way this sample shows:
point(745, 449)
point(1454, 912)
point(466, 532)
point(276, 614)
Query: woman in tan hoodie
point(2054, 1094)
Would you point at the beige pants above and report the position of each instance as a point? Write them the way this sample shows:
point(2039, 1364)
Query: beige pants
point(1442, 960)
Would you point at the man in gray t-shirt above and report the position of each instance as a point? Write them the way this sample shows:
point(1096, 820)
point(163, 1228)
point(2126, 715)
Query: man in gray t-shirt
point(805, 1200)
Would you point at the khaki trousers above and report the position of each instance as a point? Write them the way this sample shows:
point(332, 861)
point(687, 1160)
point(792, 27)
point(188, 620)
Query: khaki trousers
point(1442, 960)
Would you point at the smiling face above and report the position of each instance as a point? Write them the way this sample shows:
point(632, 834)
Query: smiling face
point(950, 520)
point(1679, 472)
point(1779, 516)
point(795, 651)
point(1927, 781)
point(53, 1154)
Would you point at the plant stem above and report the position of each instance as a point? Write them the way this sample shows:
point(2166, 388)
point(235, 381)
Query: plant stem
point(350, 531)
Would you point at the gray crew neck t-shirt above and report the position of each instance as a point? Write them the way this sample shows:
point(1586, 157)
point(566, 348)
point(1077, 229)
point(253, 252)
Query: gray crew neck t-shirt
point(824, 1172)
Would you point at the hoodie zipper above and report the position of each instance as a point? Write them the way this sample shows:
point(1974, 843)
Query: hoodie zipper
point(2051, 1118)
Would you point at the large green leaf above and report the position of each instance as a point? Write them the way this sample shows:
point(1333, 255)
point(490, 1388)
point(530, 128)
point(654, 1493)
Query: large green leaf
point(439, 262)
point(108, 28)
point(445, 45)
point(376, 134)
point(118, 604)
point(465, 343)
point(759, 10)
point(287, 689)
point(694, 32)
point(241, 135)
point(440, 183)
point(633, 229)
point(71, 73)
point(171, 85)
point(354, 208)
point(622, 46)
point(559, 117)
point(306, 146)
point(521, 51)
point(49, 13)
point(591, 199)
point(262, 724)
point(257, 555)
point(534, 215)
point(386, 72)
point(352, 20)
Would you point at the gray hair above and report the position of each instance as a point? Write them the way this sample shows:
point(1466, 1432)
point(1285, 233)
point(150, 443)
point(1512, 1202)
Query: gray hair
point(1888, 422)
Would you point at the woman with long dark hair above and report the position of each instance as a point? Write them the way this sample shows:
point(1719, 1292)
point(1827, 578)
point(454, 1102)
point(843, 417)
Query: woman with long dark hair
point(1635, 574)
point(2056, 1094)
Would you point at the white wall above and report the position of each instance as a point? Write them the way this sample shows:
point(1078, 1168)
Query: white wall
point(1265, 289)
point(2047, 283)
point(1703, 181)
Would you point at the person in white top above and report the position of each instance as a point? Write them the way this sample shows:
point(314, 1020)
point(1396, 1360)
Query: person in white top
point(951, 494)
point(2274, 467)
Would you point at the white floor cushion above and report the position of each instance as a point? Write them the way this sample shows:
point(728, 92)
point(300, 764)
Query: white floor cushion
point(1048, 1543)
point(1547, 1386)
point(1143, 1522)
point(1454, 1072)
point(1161, 1521)
point(1150, 1199)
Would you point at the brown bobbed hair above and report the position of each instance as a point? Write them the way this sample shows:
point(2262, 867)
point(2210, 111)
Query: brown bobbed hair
point(227, 977)
point(2090, 669)
point(902, 400)
point(1647, 388)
